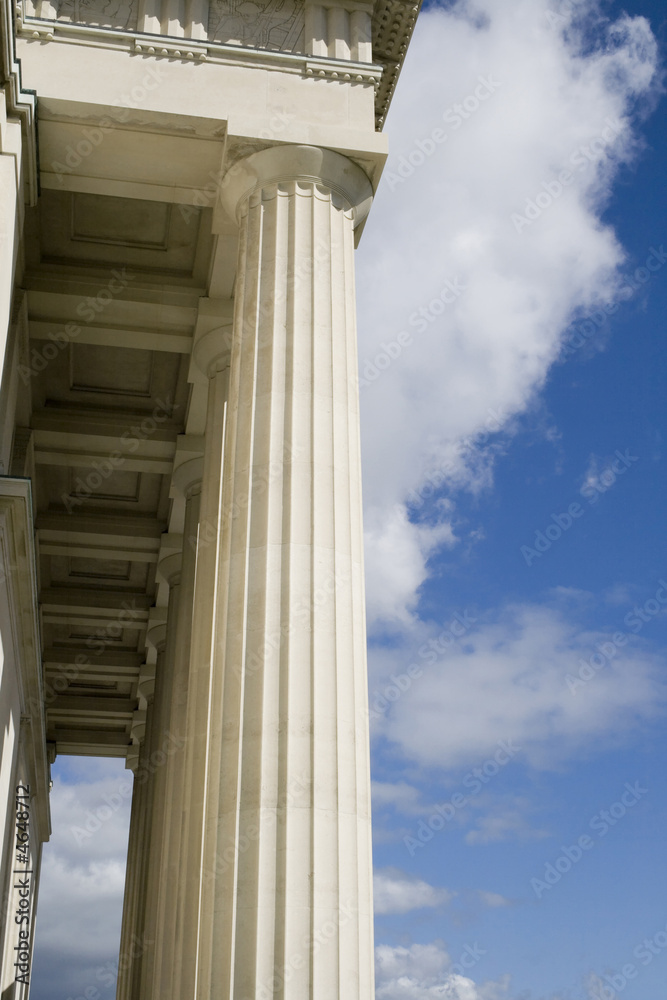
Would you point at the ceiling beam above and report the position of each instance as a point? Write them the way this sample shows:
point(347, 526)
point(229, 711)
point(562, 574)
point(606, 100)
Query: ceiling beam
point(91, 707)
point(171, 341)
point(90, 742)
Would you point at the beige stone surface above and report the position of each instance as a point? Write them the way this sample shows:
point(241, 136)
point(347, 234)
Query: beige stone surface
point(178, 348)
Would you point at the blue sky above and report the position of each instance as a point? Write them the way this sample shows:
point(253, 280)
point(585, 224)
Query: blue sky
point(467, 915)
point(537, 623)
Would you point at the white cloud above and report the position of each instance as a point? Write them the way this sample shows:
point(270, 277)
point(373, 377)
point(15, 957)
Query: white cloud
point(601, 475)
point(82, 882)
point(399, 795)
point(78, 922)
point(507, 679)
point(489, 348)
point(91, 814)
point(493, 899)
point(619, 594)
point(477, 362)
point(396, 892)
point(501, 819)
point(397, 570)
point(425, 972)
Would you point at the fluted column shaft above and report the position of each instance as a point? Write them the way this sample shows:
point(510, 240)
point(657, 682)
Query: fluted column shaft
point(166, 751)
point(150, 814)
point(158, 805)
point(212, 354)
point(286, 782)
point(134, 902)
point(160, 975)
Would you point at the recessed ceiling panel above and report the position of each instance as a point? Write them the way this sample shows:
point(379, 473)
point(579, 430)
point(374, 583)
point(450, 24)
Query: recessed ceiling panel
point(117, 485)
point(123, 221)
point(99, 569)
point(125, 236)
point(122, 370)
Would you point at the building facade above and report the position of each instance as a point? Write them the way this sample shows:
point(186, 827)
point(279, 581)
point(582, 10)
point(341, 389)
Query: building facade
point(183, 183)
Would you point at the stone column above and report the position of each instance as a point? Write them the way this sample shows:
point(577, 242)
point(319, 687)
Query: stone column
point(161, 747)
point(285, 908)
point(179, 572)
point(211, 356)
point(149, 813)
point(134, 902)
point(147, 947)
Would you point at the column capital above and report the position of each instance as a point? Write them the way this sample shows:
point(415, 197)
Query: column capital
point(156, 636)
point(137, 733)
point(169, 568)
point(306, 164)
point(211, 351)
point(186, 477)
point(212, 339)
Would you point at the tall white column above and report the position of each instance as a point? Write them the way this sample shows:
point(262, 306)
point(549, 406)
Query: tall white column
point(285, 899)
point(149, 807)
point(211, 355)
point(154, 863)
point(179, 571)
point(134, 902)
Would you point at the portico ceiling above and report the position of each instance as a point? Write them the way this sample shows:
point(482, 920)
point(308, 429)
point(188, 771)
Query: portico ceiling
point(112, 288)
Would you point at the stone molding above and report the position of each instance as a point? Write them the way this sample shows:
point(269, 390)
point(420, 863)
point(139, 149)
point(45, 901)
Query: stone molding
point(187, 477)
point(393, 24)
point(298, 164)
point(169, 569)
point(156, 636)
point(19, 577)
point(19, 103)
point(211, 351)
point(342, 69)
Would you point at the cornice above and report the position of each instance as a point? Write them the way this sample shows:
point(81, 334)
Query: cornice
point(18, 548)
point(20, 103)
point(392, 23)
point(195, 50)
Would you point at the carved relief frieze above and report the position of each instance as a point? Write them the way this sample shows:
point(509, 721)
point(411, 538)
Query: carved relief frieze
point(265, 24)
point(120, 14)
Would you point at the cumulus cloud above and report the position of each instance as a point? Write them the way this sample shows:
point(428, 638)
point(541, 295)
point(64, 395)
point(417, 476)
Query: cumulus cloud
point(426, 972)
point(501, 819)
point(401, 548)
point(396, 892)
point(602, 474)
point(526, 673)
point(82, 881)
point(399, 795)
point(93, 814)
point(619, 594)
point(496, 102)
point(485, 817)
point(484, 301)
point(493, 899)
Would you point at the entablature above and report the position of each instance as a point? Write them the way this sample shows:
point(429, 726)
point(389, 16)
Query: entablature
point(351, 41)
